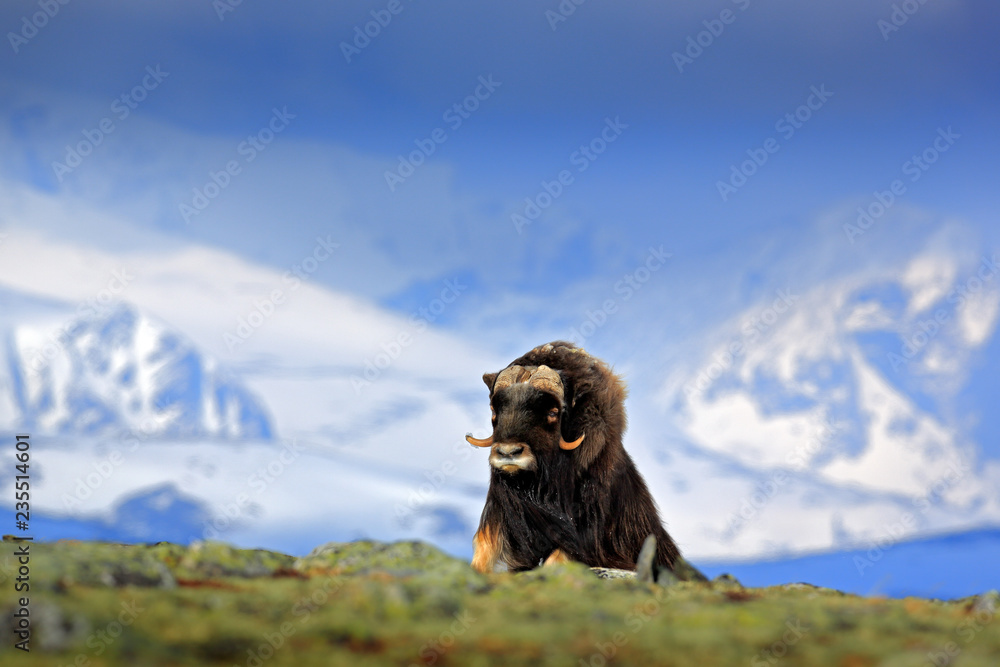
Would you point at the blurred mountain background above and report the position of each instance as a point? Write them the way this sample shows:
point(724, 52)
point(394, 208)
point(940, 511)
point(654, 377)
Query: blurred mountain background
point(255, 260)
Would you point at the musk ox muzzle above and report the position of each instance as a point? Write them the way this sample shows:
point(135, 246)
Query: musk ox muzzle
point(512, 457)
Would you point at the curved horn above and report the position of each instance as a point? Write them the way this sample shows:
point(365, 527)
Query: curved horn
point(546, 379)
point(508, 376)
point(571, 445)
point(485, 442)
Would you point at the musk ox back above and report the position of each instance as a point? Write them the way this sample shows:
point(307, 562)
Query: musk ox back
point(562, 485)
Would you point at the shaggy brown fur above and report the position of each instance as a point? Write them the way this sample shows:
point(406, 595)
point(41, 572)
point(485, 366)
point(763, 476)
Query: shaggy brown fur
point(589, 503)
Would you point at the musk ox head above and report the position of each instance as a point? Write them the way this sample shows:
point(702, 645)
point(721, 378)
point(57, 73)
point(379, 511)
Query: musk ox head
point(590, 397)
point(529, 411)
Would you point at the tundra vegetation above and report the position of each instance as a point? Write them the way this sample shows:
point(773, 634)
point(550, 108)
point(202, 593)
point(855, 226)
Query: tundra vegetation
point(369, 603)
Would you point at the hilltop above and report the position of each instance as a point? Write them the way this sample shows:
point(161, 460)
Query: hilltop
point(406, 603)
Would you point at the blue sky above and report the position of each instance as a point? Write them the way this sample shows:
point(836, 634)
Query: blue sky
point(685, 129)
point(869, 99)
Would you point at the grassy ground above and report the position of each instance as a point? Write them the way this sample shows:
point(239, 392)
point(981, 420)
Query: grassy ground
point(367, 603)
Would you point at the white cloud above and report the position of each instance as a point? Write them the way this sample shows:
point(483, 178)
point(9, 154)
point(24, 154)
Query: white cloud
point(207, 293)
point(977, 316)
point(905, 448)
point(894, 445)
point(928, 278)
point(733, 424)
point(371, 449)
point(868, 316)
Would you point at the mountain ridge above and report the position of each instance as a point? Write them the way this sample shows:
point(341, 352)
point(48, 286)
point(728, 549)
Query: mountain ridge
point(116, 369)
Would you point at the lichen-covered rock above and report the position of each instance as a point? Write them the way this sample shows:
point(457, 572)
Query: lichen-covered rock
point(216, 559)
point(102, 564)
point(403, 560)
point(612, 573)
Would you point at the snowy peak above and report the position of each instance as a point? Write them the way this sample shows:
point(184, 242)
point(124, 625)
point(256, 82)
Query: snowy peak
point(878, 359)
point(118, 370)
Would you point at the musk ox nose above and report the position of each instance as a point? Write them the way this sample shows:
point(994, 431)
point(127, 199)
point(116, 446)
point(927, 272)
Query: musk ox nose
point(510, 450)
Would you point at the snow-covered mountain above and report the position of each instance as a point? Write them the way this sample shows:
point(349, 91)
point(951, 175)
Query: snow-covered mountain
point(807, 438)
point(856, 406)
point(104, 370)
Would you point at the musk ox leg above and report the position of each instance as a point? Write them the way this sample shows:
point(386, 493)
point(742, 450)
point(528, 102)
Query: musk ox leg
point(487, 548)
point(556, 557)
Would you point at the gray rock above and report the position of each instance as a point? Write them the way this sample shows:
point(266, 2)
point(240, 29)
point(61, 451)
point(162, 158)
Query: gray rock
point(645, 567)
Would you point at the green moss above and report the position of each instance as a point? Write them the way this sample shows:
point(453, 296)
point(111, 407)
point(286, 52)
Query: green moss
point(369, 603)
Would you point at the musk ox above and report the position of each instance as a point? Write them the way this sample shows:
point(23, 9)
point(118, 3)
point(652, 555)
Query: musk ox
point(562, 486)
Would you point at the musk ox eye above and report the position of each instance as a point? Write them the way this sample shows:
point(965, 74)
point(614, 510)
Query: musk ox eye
point(553, 415)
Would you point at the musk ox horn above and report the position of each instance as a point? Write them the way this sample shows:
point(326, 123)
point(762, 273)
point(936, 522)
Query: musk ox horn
point(541, 377)
point(548, 380)
point(484, 442)
point(571, 445)
point(508, 376)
